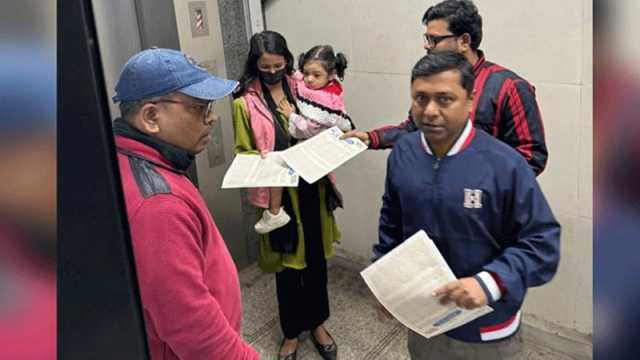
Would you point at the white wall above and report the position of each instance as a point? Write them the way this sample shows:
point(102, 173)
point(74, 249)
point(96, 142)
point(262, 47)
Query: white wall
point(547, 42)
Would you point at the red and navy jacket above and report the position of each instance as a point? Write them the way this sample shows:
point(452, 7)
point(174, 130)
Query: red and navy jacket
point(189, 284)
point(483, 208)
point(504, 106)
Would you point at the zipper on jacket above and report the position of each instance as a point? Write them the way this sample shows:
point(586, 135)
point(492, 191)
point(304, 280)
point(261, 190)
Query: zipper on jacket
point(437, 202)
point(436, 165)
point(436, 180)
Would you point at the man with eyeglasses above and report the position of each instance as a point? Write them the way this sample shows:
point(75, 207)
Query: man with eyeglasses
point(504, 103)
point(480, 203)
point(188, 281)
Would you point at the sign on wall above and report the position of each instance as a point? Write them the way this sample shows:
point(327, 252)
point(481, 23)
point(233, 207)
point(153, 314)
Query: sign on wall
point(198, 18)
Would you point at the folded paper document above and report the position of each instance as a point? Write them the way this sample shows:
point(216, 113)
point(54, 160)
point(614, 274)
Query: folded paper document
point(254, 171)
point(321, 154)
point(403, 281)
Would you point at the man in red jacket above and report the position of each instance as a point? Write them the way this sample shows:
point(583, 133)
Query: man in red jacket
point(504, 105)
point(188, 282)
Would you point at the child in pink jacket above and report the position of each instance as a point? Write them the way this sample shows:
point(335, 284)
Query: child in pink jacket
point(319, 99)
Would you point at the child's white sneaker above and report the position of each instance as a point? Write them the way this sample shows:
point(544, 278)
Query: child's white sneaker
point(270, 222)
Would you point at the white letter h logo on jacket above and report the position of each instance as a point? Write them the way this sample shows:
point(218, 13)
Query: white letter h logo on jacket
point(473, 198)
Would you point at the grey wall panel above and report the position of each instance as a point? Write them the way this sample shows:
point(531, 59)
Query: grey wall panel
point(234, 36)
point(157, 19)
point(233, 14)
point(119, 39)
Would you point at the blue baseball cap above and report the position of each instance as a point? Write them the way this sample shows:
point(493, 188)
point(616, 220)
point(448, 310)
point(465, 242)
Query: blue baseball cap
point(156, 72)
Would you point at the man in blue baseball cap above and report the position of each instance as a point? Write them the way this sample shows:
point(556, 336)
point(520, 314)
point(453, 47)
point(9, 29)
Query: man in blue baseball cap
point(159, 90)
point(188, 282)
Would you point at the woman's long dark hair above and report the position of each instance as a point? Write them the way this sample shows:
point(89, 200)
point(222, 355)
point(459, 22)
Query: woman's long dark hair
point(269, 42)
point(282, 134)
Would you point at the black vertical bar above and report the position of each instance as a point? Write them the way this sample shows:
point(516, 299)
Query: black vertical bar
point(99, 312)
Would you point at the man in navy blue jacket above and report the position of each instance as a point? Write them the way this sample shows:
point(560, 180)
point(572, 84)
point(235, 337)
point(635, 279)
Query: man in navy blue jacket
point(479, 201)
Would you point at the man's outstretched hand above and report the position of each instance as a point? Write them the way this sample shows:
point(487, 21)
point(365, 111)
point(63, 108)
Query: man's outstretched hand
point(363, 136)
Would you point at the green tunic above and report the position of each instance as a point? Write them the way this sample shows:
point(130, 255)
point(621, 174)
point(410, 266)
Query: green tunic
point(269, 260)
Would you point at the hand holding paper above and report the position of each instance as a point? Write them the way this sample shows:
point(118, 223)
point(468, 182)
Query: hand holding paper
point(404, 281)
point(466, 293)
point(321, 154)
point(312, 159)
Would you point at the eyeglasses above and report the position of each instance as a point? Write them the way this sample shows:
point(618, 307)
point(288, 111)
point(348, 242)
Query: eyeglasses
point(204, 109)
point(433, 40)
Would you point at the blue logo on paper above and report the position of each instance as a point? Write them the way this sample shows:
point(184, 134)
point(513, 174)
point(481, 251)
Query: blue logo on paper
point(448, 317)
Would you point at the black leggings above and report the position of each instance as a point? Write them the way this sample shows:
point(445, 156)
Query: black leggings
point(303, 300)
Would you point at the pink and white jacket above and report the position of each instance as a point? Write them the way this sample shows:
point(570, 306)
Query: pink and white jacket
point(320, 109)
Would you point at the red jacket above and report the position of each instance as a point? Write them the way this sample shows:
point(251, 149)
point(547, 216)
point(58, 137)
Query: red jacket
point(504, 105)
point(188, 281)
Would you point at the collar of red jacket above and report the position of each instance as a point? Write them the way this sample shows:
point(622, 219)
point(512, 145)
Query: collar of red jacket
point(333, 87)
point(133, 147)
point(479, 63)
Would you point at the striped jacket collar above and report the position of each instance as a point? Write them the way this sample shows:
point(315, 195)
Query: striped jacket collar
point(463, 141)
point(481, 61)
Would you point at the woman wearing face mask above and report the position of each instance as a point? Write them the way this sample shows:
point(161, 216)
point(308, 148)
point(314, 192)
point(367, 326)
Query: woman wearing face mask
point(297, 250)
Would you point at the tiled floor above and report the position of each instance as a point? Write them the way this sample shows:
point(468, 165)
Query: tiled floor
point(354, 323)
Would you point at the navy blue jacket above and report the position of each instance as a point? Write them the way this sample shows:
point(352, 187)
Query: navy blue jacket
point(507, 230)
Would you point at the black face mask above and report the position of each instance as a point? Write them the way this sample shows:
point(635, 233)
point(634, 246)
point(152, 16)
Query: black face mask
point(272, 78)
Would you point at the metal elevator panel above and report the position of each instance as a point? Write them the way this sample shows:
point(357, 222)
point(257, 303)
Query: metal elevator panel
point(157, 24)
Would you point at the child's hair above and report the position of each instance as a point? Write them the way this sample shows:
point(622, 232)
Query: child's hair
point(325, 55)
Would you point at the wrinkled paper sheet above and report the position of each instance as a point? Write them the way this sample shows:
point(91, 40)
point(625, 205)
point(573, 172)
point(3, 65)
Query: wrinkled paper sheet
point(321, 154)
point(403, 281)
point(248, 171)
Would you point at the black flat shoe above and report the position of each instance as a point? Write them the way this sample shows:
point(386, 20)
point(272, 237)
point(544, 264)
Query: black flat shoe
point(327, 352)
point(292, 356)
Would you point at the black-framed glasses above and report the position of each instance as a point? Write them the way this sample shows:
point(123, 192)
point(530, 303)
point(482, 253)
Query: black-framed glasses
point(433, 40)
point(204, 109)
